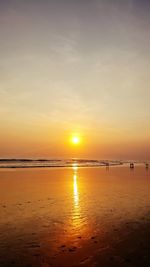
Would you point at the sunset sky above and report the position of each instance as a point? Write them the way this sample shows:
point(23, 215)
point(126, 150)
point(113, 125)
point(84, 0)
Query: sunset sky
point(75, 67)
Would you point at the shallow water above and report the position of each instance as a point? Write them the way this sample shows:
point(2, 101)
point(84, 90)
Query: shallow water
point(48, 215)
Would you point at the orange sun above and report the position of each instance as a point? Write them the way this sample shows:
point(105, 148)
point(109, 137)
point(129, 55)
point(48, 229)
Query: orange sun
point(75, 140)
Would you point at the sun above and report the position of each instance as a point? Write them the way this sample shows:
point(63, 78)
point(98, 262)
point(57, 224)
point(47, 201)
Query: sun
point(75, 140)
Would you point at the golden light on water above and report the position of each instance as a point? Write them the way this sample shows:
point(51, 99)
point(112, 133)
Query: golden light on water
point(75, 189)
point(76, 216)
point(78, 226)
point(75, 185)
point(75, 167)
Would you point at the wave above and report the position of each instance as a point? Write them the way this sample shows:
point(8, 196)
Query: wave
point(41, 163)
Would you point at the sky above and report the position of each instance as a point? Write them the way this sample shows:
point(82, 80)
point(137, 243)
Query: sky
point(75, 67)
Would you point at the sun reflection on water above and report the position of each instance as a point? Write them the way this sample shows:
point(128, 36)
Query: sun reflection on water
point(75, 188)
point(75, 167)
point(76, 218)
point(80, 226)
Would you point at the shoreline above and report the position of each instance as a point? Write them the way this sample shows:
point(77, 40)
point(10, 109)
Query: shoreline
point(77, 166)
point(58, 166)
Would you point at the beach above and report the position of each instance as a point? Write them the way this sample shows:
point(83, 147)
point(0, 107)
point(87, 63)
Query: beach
point(75, 216)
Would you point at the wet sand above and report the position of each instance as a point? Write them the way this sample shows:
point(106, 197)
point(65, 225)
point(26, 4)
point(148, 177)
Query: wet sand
point(126, 246)
point(75, 217)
